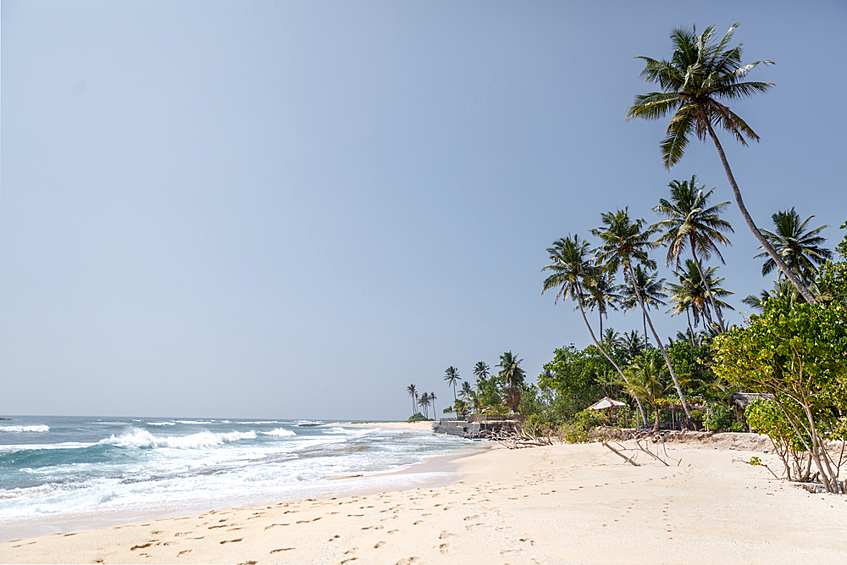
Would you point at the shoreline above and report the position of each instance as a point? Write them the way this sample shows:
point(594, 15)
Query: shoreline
point(555, 504)
point(434, 471)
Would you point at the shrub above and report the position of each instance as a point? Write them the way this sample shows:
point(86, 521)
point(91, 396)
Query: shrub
point(717, 418)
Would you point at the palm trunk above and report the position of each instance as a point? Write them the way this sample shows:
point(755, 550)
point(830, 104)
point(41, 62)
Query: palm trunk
point(606, 355)
point(708, 287)
point(690, 329)
point(659, 343)
point(750, 224)
point(644, 321)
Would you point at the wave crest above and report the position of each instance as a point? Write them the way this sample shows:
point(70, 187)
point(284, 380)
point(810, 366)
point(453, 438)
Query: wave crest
point(143, 439)
point(20, 429)
point(279, 432)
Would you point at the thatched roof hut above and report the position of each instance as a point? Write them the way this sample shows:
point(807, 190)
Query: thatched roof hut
point(744, 399)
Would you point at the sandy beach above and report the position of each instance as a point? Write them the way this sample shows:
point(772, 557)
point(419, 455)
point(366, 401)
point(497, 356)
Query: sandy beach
point(558, 504)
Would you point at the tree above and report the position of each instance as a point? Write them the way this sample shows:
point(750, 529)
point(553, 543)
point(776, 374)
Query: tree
point(699, 75)
point(796, 354)
point(432, 398)
point(611, 339)
point(466, 390)
point(646, 378)
point(424, 402)
point(512, 377)
point(452, 377)
point(651, 288)
point(690, 221)
point(571, 268)
point(480, 370)
point(800, 249)
point(691, 296)
point(625, 241)
point(634, 344)
point(603, 294)
point(414, 394)
point(578, 377)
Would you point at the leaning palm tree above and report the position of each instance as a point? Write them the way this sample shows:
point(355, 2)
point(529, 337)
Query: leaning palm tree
point(699, 74)
point(571, 268)
point(625, 242)
point(652, 292)
point(690, 221)
point(452, 377)
point(603, 294)
point(690, 294)
point(414, 394)
point(466, 391)
point(800, 249)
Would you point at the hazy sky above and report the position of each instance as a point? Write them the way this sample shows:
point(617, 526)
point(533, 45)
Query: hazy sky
point(296, 209)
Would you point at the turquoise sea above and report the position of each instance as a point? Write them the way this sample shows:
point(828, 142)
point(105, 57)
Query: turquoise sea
point(62, 473)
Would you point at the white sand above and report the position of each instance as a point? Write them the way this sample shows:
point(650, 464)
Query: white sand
point(561, 504)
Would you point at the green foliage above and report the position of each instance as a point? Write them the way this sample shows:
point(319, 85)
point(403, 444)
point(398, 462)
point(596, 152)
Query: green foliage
point(578, 378)
point(717, 418)
point(418, 417)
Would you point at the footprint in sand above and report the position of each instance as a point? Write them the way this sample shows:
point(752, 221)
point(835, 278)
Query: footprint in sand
point(409, 561)
point(282, 549)
point(444, 535)
point(349, 560)
point(379, 544)
point(183, 552)
point(231, 541)
point(468, 518)
point(444, 547)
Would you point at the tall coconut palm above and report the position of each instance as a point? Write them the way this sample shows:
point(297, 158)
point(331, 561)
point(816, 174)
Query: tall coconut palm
point(652, 292)
point(800, 249)
point(603, 294)
point(634, 344)
point(480, 370)
point(690, 294)
point(432, 398)
point(452, 377)
point(611, 338)
point(414, 394)
point(624, 242)
point(466, 391)
point(571, 267)
point(699, 74)
point(690, 221)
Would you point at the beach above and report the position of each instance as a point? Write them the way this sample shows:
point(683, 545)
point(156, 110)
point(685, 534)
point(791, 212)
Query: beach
point(554, 504)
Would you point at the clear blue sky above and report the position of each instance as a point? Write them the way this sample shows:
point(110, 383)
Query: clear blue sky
point(296, 209)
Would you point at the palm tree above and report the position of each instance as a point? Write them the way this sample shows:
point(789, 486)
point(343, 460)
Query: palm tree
point(571, 268)
point(634, 344)
point(699, 74)
point(480, 370)
point(624, 241)
point(783, 290)
point(466, 391)
point(414, 394)
point(800, 249)
point(424, 402)
point(611, 338)
point(603, 294)
point(691, 221)
point(434, 411)
point(652, 292)
point(691, 295)
point(452, 377)
point(513, 377)
point(646, 382)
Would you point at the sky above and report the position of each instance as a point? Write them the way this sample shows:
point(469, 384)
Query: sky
point(297, 209)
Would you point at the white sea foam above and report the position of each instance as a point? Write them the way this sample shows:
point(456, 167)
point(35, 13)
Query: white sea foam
point(161, 423)
point(144, 439)
point(279, 432)
point(194, 422)
point(21, 429)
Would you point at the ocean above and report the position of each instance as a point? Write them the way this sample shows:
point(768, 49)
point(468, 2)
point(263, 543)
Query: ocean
point(67, 473)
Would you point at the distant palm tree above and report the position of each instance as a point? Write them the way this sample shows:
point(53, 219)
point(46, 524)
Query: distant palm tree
point(480, 370)
point(783, 290)
point(432, 400)
point(625, 241)
point(572, 269)
point(690, 294)
point(603, 294)
point(466, 391)
point(512, 376)
point(452, 377)
point(634, 344)
point(800, 249)
point(646, 381)
point(611, 338)
point(652, 292)
point(690, 221)
point(424, 402)
point(414, 394)
point(698, 75)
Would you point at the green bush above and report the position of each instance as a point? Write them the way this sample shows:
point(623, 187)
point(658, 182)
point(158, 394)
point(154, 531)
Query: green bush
point(717, 418)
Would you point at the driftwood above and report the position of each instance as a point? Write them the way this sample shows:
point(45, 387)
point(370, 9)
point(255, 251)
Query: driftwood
point(519, 437)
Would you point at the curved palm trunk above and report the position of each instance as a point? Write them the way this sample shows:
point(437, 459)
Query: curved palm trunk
point(606, 355)
point(659, 343)
point(644, 321)
point(690, 329)
point(750, 224)
point(708, 287)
